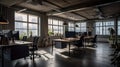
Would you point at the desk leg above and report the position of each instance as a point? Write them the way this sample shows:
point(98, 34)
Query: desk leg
point(52, 47)
point(33, 55)
point(69, 49)
point(84, 42)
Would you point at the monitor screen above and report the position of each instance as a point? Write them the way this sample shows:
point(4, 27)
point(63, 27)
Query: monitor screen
point(70, 34)
point(16, 35)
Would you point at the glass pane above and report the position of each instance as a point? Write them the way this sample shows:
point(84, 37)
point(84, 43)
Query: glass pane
point(49, 21)
point(34, 32)
point(118, 30)
point(21, 25)
point(77, 29)
point(71, 29)
point(20, 17)
point(71, 24)
point(83, 24)
point(83, 29)
point(112, 22)
point(100, 30)
point(97, 24)
point(55, 29)
point(100, 23)
point(108, 23)
point(104, 23)
point(97, 30)
point(22, 32)
point(104, 30)
point(33, 26)
point(61, 30)
point(55, 22)
point(50, 28)
point(60, 22)
point(119, 22)
point(33, 18)
point(107, 32)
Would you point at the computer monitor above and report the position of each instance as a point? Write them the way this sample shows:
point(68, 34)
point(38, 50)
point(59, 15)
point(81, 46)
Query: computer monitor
point(70, 34)
point(7, 33)
point(15, 35)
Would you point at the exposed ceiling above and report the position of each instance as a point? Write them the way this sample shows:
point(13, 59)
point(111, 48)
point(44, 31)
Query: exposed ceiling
point(70, 9)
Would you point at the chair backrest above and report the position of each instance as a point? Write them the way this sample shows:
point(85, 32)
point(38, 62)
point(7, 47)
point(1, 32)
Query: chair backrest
point(35, 42)
point(80, 42)
point(16, 35)
point(24, 38)
point(95, 39)
point(85, 34)
point(89, 33)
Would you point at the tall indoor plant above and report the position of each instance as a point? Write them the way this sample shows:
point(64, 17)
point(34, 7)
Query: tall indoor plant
point(112, 36)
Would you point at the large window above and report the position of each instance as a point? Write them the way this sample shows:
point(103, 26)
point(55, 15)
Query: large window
point(81, 27)
point(71, 26)
point(102, 27)
point(55, 26)
point(27, 24)
point(118, 27)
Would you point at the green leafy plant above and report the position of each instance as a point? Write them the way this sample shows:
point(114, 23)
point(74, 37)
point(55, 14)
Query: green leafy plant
point(22, 34)
point(50, 32)
point(112, 33)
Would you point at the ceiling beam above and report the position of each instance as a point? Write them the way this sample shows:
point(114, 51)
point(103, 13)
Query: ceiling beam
point(85, 5)
point(61, 8)
point(52, 3)
point(17, 8)
point(79, 15)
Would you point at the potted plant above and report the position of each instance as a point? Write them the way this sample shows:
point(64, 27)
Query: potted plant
point(112, 36)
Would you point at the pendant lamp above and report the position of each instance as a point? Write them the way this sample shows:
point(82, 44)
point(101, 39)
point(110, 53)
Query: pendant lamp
point(2, 19)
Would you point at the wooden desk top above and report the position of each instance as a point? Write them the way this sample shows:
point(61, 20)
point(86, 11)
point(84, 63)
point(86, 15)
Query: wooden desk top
point(88, 37)
point(18, 42)
point(66, 39)
point(21, 42)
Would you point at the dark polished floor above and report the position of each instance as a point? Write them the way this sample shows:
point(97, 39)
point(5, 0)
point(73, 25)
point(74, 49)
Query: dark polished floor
point(88, 57)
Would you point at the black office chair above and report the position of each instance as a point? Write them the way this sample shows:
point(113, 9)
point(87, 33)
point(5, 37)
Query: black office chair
point(79, 43)
point(24, 38)
point(89, 33)
point(85, 34)
point(34, 47)
point(94, 41)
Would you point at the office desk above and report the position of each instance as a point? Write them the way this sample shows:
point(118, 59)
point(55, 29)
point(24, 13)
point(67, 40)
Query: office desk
point(3, 47)
point(65, 40)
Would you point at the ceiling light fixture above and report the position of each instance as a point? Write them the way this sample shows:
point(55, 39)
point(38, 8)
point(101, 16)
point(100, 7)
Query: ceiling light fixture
point(76, 25)
point(65, 23)
point(2, 19)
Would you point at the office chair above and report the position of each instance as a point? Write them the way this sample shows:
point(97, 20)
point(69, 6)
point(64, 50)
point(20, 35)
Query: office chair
point(34, 47)
point(79, 43)
point(89, 33)
point(94, 41)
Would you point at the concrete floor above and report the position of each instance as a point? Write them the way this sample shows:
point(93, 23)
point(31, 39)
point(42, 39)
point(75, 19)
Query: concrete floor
point(88, 57)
